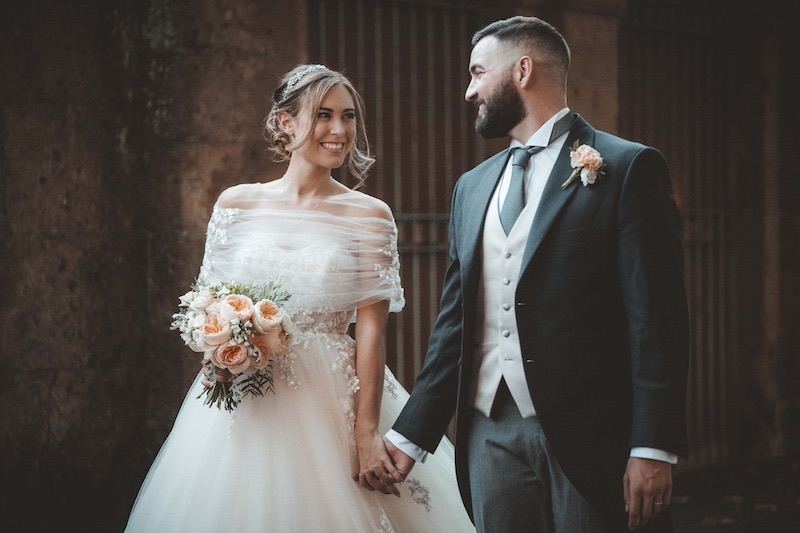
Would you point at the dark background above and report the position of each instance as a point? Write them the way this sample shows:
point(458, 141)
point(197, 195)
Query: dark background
point(121, 122)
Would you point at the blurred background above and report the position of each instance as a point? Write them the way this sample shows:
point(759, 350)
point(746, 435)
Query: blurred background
point(121, 121)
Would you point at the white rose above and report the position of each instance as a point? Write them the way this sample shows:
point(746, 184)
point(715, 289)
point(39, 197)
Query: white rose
point(588, 176)
point(288, 323)
point(198, 342)
point(187, 298)
point(197, 320)
point(200, 301)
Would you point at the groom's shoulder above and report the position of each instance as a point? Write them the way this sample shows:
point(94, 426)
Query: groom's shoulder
point(617, 143)
point(604, 141)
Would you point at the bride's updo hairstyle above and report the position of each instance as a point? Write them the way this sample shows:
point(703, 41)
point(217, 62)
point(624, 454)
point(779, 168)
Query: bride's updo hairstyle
point(300, 94)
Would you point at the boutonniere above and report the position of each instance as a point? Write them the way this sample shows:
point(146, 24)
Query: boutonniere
point(587, 162)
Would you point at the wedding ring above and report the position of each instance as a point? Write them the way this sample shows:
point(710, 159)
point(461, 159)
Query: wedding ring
point(658, 503)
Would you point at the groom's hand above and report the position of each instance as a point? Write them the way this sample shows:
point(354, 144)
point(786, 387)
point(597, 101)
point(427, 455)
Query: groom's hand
point(376, 468)
point(647, 489)
point(402, 462)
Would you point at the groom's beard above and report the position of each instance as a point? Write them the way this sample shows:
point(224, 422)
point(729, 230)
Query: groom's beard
point(503, 110)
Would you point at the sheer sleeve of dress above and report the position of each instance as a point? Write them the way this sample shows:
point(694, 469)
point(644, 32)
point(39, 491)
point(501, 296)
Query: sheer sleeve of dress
point(338, 257)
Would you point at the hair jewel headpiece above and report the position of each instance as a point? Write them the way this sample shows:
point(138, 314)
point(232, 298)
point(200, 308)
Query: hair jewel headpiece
point(299, 76)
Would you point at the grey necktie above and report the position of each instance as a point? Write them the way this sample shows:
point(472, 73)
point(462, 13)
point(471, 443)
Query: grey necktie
point(515, 199)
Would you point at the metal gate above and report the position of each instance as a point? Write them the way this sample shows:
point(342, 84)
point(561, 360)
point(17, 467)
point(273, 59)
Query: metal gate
point(408, 59)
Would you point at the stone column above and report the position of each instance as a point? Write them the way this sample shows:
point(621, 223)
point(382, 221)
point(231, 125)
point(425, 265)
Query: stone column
point(120, 123)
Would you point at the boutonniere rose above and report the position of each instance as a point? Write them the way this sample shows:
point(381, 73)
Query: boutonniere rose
point(587, 162)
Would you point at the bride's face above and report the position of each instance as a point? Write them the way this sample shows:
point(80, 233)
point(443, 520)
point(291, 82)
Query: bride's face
point(334, 132)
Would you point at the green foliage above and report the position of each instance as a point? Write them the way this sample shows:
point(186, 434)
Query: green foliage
point(223, 394)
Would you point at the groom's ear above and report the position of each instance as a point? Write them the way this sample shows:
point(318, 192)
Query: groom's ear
point(524, 73)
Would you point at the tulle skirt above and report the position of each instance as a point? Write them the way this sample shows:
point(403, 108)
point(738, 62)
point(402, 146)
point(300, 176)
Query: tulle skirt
point(283, 462)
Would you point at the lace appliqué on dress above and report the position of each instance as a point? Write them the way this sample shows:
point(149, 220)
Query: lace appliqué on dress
point(386, 525)
point(286, 368)
point(420, 493)
point(391, 273)
point(345, 347)
point(216, 234)
point(390, 387)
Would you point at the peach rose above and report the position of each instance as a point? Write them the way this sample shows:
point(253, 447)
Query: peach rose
point(586, 157)
point(261, 343)
point(285, 341)
point(234, 357)
point(236, 306)
point(216, 330)
point(587, 163)
point(281, 342)
point(266, 316)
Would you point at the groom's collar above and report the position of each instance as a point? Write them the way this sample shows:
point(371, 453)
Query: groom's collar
point(541, 137)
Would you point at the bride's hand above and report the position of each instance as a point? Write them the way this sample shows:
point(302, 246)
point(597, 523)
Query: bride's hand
point(222, 375)
point(376, 469)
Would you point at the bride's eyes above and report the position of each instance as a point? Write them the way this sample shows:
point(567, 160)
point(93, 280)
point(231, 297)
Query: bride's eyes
point(350, 115)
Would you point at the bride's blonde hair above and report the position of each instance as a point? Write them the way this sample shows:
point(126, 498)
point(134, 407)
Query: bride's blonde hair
point(301, 92)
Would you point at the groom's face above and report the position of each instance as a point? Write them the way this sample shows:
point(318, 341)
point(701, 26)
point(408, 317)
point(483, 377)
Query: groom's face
point(492, 90)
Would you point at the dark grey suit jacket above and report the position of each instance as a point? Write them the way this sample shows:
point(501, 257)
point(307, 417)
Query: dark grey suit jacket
point(601, 312)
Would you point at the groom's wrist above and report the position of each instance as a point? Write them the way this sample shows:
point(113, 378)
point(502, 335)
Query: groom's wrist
point(653, 453)
point(406, 446)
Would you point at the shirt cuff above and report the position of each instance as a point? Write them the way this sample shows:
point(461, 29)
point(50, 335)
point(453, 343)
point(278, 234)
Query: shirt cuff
point(652, 453)
point(406, 446)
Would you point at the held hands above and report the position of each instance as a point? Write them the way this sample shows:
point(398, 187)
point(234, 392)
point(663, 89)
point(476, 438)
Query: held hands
point(376, 469)
point(402, 462)
point(647, 489)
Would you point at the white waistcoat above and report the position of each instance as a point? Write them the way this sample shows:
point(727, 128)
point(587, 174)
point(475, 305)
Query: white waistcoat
point(497, 338)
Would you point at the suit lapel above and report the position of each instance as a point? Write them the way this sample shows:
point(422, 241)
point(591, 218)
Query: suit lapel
point(475, 206)
point(554, 198)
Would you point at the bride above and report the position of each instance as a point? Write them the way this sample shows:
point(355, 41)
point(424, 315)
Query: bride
point(296, 460)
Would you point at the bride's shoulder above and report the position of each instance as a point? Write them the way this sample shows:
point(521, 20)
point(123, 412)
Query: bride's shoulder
point(365, 205)
point(243, 195)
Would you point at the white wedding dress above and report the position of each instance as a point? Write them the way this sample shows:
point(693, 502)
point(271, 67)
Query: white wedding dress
point(283, 462)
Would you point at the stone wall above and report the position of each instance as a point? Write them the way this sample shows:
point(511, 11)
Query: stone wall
point(121, 123)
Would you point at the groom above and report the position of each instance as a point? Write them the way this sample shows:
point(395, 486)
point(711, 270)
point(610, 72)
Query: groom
point(562, 340)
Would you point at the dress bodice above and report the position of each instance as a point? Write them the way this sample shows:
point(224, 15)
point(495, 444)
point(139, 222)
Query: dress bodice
point(329, 264)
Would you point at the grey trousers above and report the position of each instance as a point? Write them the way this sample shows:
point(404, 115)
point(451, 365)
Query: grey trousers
point(517, 485)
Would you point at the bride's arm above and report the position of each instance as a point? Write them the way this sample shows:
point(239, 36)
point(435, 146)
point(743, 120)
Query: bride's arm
point(376, 470)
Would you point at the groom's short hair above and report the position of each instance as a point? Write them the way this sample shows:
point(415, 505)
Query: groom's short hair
point(530, 33)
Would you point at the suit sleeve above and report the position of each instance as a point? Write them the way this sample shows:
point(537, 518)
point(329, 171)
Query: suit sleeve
point(430, 408)
point(651, 273)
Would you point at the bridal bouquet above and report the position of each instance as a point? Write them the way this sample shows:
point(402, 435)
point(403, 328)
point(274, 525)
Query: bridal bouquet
point(239, 328)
